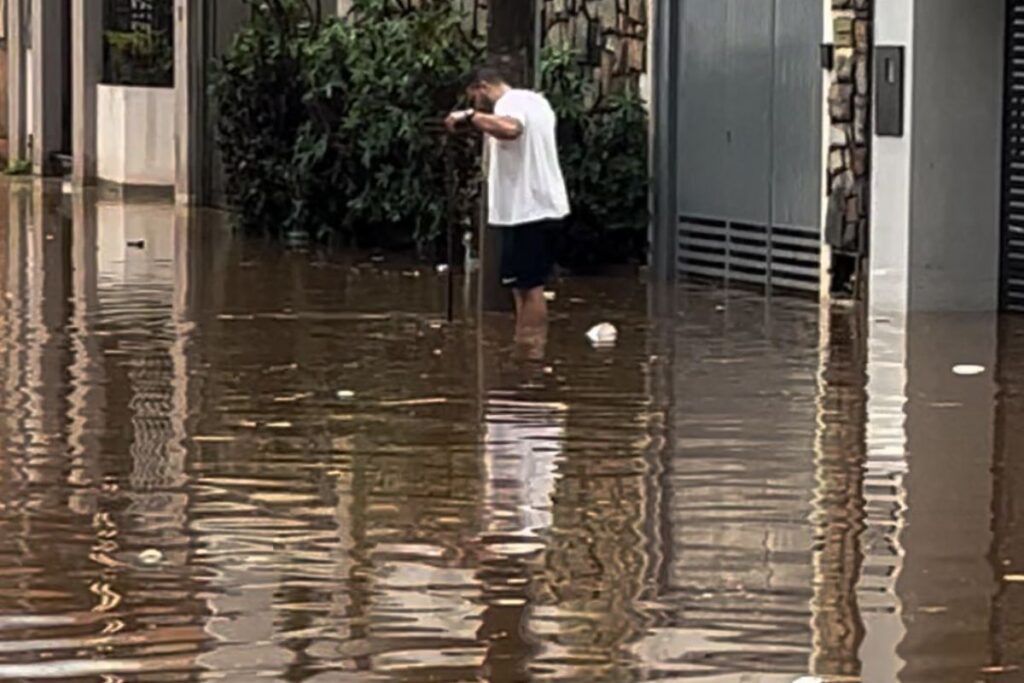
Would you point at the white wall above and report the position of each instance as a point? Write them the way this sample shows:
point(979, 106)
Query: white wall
point(135, 135)
point(956, 155)
point(890, 180)
point(935, 191)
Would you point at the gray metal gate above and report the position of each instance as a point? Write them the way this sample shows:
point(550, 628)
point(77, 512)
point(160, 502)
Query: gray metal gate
point(749, 167)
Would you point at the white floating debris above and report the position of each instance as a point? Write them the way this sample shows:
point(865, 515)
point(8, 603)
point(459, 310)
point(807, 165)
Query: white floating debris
point(550, 296)
point(936, 609)
point(968, 370)
point(151, 556)
point(720, 309)
point(413, 402)
point(213, 438)
point(442, 268)
point(1013, 578)
point(345, 394)
point(604, 334)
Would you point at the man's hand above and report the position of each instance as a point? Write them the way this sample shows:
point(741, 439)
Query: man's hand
point(456, 119)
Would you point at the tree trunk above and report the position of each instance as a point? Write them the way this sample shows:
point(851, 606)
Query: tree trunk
point(510, 47)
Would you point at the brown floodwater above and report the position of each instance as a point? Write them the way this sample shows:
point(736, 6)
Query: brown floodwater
point(221, 460)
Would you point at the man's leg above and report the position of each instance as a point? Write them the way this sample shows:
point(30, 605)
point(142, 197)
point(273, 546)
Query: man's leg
point(534, 315)
point(518, 296)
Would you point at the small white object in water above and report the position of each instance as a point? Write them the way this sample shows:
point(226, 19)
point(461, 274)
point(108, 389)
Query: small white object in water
point(442, 268)
point(604, 334)
point(346, 394)
point(549, 296)
point(809, 679)
point(968, 370)
point(151, 556)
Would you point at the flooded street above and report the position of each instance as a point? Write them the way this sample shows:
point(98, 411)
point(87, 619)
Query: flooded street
point(224, 461)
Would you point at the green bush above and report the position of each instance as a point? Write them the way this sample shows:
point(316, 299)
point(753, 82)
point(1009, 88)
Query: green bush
point(18, 167)
point(603, 145)
point(330, 127)
point(260, 89)
point(407, 70)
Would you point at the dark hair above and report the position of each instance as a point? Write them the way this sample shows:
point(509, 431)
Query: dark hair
point(491, 75)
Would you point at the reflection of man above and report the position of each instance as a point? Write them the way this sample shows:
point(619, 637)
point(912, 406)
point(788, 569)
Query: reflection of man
point(523, 441)
point(527, 196)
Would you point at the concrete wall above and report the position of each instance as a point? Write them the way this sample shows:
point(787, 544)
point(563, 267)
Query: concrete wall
point(956, 154)
point(135, 135)
point(890, 181)
point(935, 191)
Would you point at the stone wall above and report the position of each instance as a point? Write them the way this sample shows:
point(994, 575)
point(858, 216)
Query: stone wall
point(611, 35)
point(849, 111)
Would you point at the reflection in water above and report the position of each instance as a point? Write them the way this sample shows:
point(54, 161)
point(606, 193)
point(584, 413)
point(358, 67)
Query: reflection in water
point(220, 460)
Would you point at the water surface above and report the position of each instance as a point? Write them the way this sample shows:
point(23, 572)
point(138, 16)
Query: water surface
point(224, 461)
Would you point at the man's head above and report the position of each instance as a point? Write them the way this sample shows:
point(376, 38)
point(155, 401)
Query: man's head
point(486, 87)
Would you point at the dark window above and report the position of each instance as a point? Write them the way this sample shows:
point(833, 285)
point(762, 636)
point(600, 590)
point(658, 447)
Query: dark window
point(138, 41)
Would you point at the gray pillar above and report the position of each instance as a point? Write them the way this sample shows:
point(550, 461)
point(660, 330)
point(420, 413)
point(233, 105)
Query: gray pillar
point(48, 91)
point(662, 257)
point(190, 98)
point(87, 71)
point(16, 96)
point(935, 192)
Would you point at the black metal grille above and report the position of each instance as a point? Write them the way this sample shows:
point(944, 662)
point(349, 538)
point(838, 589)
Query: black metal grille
point(139, 42)
point(1012, 278)
point(782, 257)
point(139, 15)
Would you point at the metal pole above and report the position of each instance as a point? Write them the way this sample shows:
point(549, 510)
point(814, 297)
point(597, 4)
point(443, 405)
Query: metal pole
point(452, 187)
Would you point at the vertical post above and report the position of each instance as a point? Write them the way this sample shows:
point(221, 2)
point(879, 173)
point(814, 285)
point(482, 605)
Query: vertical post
point(48, 93)
point(86, 73)
point(510, 41)
point(17, 148)
point(663, 226)
point(190, 101)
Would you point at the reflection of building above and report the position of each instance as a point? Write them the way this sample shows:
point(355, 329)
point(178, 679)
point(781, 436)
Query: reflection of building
point(1008, 498)
point(739, 481)
point(69, 327)
point(119, 87)
point(839, 496)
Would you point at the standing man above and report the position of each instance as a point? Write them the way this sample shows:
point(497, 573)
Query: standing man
point(527, 199)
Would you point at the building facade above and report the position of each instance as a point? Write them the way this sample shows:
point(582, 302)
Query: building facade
point(874, 142)
point(847, 147)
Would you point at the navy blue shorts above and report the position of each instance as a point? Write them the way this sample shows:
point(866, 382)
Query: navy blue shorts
point(528, 253)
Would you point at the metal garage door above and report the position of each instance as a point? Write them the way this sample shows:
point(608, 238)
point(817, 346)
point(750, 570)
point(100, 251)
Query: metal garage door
point(1012, 277)
point(749, 141)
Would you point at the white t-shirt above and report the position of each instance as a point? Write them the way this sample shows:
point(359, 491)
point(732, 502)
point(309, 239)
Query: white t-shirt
point(525, 180)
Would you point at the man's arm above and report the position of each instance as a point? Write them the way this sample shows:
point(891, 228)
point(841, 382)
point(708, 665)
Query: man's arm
point(500, 127)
